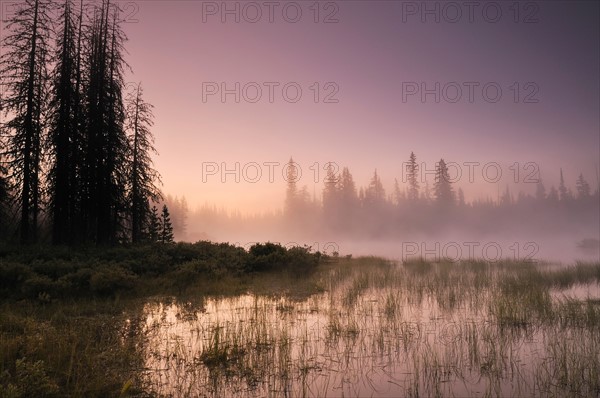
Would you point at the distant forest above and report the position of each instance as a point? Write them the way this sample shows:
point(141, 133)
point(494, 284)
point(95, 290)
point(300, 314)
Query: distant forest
point(75, 141)
point(344, 210)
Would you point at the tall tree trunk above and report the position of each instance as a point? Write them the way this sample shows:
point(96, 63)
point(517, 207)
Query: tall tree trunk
point(26, 194)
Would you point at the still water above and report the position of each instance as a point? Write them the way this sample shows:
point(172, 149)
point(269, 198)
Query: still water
point(384, 330)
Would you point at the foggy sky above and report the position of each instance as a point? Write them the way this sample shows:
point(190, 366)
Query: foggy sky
point(176, 46)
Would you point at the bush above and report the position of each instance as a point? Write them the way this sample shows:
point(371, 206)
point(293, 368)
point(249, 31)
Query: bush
point(109, 280)
point(78, 282)
point(265, 257)
point(301, 260)
point(271, 256)
point(40, 286)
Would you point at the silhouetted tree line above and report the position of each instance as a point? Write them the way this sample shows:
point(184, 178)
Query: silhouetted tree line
point(344, 209)
point(76, 146)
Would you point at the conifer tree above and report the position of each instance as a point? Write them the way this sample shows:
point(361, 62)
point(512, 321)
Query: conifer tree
point(583, 188)
point(330, 194)
point(375, 193)
point(24, 75)
point(105, 174)
point(154, 226)
point(142, 174)
point(444, 195)
point(166, 233)
point(65, 130)
point(412, 169)
point(563, 193)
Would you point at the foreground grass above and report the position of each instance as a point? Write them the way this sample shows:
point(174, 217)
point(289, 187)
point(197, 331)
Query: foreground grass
point(94, 339)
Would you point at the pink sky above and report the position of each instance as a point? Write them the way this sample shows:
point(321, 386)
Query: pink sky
point(373, 49)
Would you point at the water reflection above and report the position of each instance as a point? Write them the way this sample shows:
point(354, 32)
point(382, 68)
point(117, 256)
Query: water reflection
point(386, 331)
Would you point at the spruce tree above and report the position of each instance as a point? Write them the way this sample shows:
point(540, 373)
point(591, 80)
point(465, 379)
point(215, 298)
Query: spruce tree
point(348, 199)
point(583, 188)
point(65, 130)
point(154, 226)
point(330, 195)
point(375, 193)
point(412, 169)
point(444, 195)
point(142, 174)
point(563, 193)
point(166, 233)
point(23, 72)
point(105, 173)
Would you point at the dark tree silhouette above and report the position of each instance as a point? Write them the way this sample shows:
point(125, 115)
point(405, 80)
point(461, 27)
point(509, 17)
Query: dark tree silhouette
point(563, 193)
point(105, 174)
point(348, 199)
point(4, 199)
point(347, 189)
point(330, 195)
point(166, 233)
point(178, 208)
point(65, 129)
point(412, 172)
point(66, 135)
point(24, 75)
point(583, 188)
point(444, 195)
point(153, 229)
point(375, 194)
point(142, 175)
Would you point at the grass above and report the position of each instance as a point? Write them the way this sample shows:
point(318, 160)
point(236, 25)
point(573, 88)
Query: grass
point(75, 349)
point(355, 326)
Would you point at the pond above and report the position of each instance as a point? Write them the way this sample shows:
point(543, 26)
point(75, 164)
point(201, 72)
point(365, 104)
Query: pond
point(372, 328)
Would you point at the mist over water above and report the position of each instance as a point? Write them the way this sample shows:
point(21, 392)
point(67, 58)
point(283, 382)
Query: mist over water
point(557, 242)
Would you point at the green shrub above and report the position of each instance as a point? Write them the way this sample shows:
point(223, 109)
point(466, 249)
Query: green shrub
point(109, 280)
point(78, 282)
point(265, 257)
point(40, 286)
